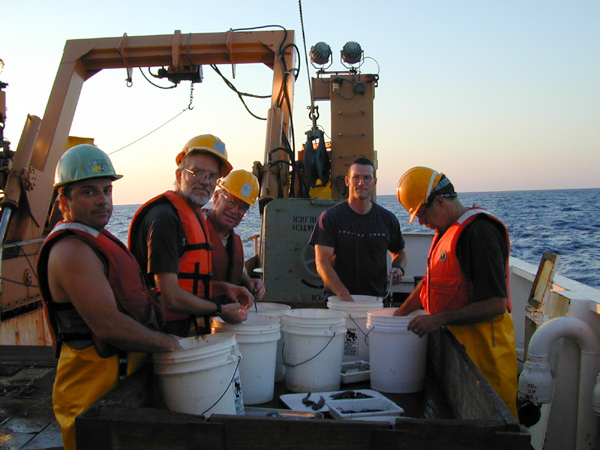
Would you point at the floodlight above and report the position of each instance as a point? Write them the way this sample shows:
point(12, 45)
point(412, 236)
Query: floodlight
point(351, 53)
point(320, 53)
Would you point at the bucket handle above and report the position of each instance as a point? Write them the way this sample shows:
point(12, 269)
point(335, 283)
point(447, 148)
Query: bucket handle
point(360, 329)
point(389, 295)
point(367, 336)
point(309, 359)
point(227, 387)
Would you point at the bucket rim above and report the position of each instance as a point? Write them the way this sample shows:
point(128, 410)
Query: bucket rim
point(254, 321)
point(198, 345)
point(276, 306)
point(358, 299)
point(319, 314)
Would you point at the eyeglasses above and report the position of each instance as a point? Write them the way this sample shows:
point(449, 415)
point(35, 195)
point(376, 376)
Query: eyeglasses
point(234, 203)
point(202, 175)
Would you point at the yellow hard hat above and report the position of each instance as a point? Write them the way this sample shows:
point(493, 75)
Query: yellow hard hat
point(82, 162)
point(415, 187)
point(209, 144)
point(241, 184)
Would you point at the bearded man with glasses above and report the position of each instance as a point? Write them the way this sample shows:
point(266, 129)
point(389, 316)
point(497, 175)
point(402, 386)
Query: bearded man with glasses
point(169, 237)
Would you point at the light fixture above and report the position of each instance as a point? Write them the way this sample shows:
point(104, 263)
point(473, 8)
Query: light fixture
point(351, 54)
point(320, 54)
point(336, 84)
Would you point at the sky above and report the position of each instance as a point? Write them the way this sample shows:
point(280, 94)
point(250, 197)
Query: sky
point(498, 95)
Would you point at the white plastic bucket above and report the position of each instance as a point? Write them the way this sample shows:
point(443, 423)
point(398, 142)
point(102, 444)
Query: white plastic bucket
point(273, 310)
point(257, 339)
point(397, 356)
point(313, 349)
point(203, 378)
point(356, 346)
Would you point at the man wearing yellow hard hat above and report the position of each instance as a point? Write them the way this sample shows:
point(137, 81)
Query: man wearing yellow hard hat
point(465, 287)
point(235, 194)
point(168, 235)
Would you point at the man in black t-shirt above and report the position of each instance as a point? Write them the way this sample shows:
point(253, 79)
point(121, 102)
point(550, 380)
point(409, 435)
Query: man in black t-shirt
point(353, 238)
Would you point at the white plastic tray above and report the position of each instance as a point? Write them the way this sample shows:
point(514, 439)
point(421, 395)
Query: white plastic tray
point(284, 413)
point(294, 401)
point(363, 407)
point(355, 371)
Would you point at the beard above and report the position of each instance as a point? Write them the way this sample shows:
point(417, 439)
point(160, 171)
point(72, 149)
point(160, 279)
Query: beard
point(194, 199)
point(197, 200)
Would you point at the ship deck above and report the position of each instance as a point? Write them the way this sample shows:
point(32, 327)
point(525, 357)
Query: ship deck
point(26, 418)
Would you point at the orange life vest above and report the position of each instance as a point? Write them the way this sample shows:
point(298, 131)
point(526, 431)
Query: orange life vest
point(490, 344)
point(445, 287)
point(228, 265)
point(195, 265)
point(124, 276)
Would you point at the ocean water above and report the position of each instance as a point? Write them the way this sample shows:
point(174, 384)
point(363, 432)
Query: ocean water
point(564, 222)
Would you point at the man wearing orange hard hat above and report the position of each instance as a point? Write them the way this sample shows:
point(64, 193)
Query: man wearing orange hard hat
point(169, 237)
point(234, 196)
point(465, 287)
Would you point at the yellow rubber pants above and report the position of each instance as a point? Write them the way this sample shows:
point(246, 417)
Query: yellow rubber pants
point(82, 377)
point(491, 346)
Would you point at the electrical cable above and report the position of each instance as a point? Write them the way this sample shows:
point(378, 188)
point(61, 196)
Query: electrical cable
point(154, 84)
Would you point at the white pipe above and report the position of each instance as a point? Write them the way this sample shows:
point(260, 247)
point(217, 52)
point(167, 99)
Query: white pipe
point(535, 382)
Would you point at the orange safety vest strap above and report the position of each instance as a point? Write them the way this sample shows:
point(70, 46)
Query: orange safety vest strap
point(445, 287)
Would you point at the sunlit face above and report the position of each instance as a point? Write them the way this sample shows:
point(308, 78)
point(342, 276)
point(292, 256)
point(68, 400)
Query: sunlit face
point(89, 202)
point(228, 210)
point(360, 181)
point(197, 178)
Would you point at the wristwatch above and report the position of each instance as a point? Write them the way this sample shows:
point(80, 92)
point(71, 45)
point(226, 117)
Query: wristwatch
point(217, 312)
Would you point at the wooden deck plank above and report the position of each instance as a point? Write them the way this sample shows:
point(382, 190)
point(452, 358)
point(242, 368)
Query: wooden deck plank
point(252, 433)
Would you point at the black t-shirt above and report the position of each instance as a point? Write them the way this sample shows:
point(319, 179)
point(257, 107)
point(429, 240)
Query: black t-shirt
point(482, 251)
point(160, 241)
point(360, 243)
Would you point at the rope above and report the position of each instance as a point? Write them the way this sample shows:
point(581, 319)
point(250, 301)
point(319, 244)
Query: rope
point(18, 282)
point(16, 244)
point(148, 134)
point(312, 97)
